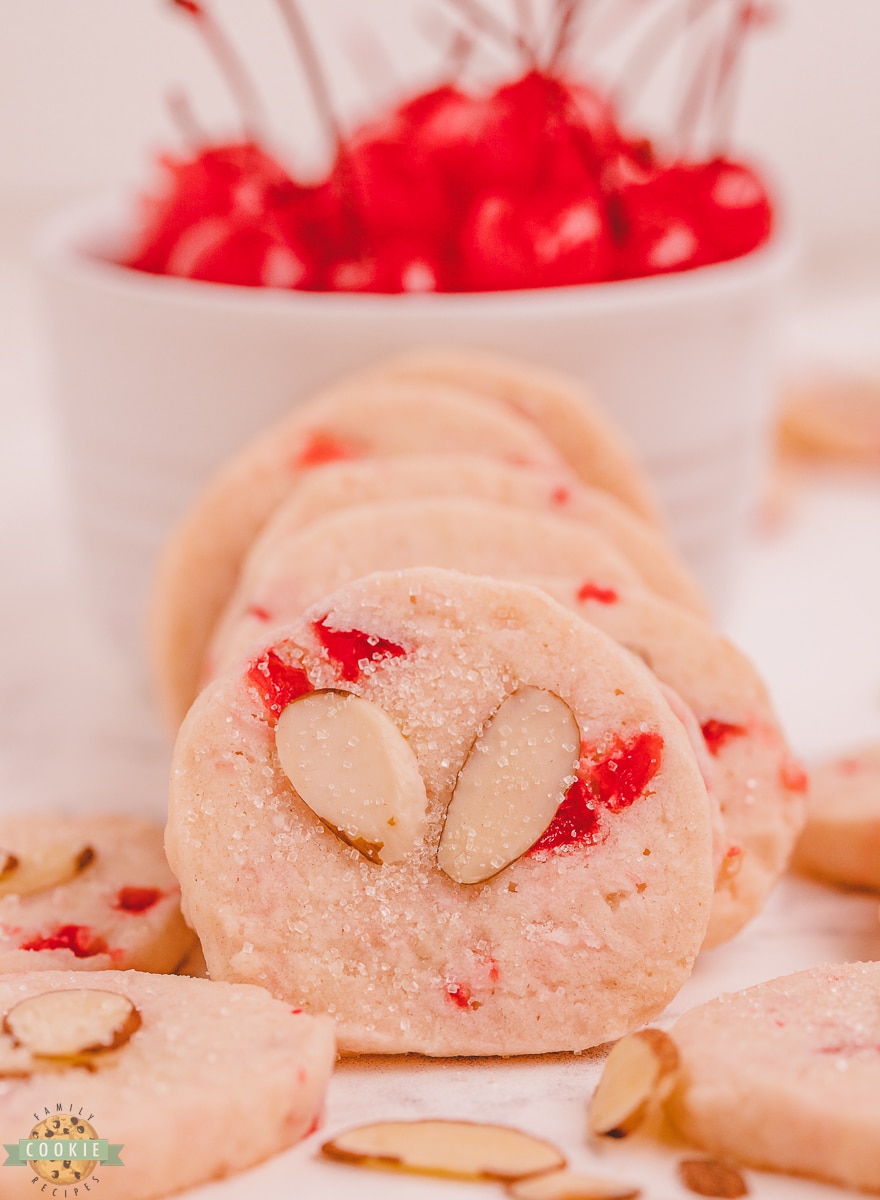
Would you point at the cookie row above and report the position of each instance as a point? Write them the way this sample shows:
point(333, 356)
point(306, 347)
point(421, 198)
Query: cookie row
point(372, 594)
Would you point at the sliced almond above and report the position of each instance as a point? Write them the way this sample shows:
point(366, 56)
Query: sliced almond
point(16, 1062)
point(709, 1177)
point(640, 1070)
point(513, 781)
point(572, 1185)
point(70, 1024)
point(8, 863)
point(455, 1149)
point(44, 867)
point(353, 767)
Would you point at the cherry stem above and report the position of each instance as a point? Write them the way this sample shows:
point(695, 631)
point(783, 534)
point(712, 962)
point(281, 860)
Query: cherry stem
point(231, 67)
point(463, 43)
point(181, 113)
point(726, 84)
point(525, 20)
point(458, 55)
point(567, 13)
point(653, 47)
point(314, 72)
point(702, 84)
point(609, 20)
point(483, 20)
point(372, 62)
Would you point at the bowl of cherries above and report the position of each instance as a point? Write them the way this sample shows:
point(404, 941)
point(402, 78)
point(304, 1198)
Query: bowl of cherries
point(525, 216)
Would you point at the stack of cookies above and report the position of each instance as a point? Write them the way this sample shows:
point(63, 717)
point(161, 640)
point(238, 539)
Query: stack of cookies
point(464, 762)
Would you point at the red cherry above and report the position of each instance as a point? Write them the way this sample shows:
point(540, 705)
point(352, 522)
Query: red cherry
point(392, 187)
point(592, 125)
point(215, 251)
point(391, 266)
point(656, 223)
point(230, 215)
point(535, 240)
point(734, 205)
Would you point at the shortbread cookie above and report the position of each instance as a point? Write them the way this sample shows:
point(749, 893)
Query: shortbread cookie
point(282, 578)
point(836, 419)
point(559, 404)
point(498, 842)
point(786, 1075)
point(541, 489)
point(189, 1080)
point(841, 839)
point(370, 418)
point(87, 894)
point(759, 786)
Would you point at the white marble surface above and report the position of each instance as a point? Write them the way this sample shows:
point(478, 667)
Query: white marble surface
point(77, 731)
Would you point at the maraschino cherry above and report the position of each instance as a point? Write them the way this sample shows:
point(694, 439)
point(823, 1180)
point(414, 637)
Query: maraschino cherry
point(532, 184)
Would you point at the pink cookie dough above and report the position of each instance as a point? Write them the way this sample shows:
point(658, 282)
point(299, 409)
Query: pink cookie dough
point(559, 405)
point(370, 418)
point(841, 840)
point(215, 1079)
point(759, 786)
point(532, 488)
point(583, 937)
point(282, 578)
point(786, 1075)
point(120, 908)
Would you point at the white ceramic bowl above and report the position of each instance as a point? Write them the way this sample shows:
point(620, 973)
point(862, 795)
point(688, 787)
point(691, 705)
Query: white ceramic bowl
point(158, 380)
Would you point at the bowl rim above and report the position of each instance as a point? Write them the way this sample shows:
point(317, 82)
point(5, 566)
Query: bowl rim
point(77, 245)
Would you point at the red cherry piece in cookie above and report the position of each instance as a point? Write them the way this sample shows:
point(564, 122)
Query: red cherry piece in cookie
point(793, 775)
point(718, 733)
point(595, 591)
point(459, 994)
point(576, 821)
point(351, 649)
point(278, 682)
point(77, 938)
point(620, 778)
point(319, 448)
point(259, 612)
point(137, 899)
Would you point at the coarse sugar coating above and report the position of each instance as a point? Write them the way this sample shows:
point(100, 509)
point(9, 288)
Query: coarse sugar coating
point(759, 786)
point(281, 579)
point(358, 419)
point(558, 403)
point(786, 1075)
point(583, 936)
point(532, 488)
point(214, 1079)
point(841, 839)
point(87, 893)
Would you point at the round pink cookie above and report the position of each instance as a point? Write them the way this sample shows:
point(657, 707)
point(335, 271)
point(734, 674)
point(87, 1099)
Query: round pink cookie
point(535, 489)
point(214, 1079)
point(370, 418)
point(559, 405)
point(283, 577)
point(87, 894)
point(588, 925)
point(756, 781)
point(841, 839)
point(786, 1075)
